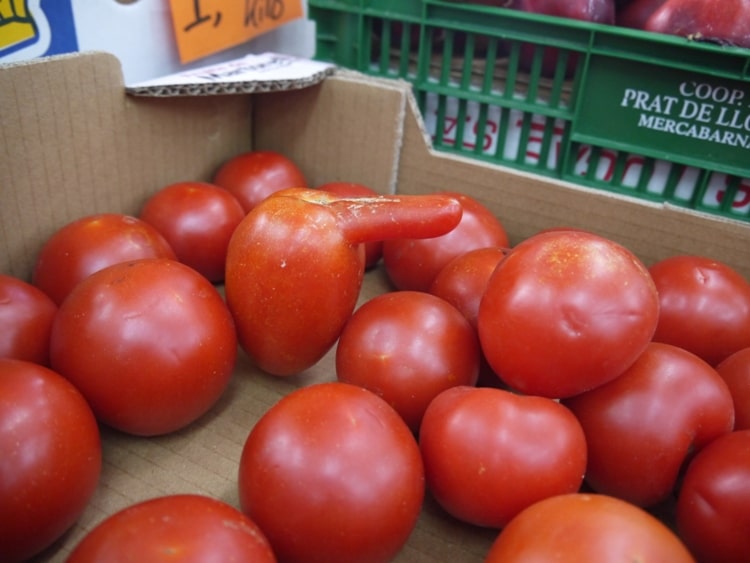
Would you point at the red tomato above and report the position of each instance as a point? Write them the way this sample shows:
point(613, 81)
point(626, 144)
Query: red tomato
point(565, 312)
point(150, 344)
point(414, 263)
point(190, 528)
point(91, 243)
point(705, 306)
point(254, 175)
point(577, 528)
point(374, 249)
point(407, 346)
point(26, 315)
point(735, 371)
point(489, 453)
point(641, 427)
point(462, 281)
point(51, 458)
point(331, 473)
point(197, 219)
point(713, 506)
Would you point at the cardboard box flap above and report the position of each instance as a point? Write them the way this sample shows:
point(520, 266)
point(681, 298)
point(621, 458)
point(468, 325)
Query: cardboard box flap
point(348, 129)
point(527, 204)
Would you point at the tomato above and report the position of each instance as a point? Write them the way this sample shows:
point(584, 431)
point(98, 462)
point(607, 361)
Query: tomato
point(185, 527)
point(374, 249)
point(295, 267)
point(489, 453)
point(566, 311)
point(150, 344)
point(713, 506)
point(414, 263)
point(408, 346)
point(26, 315)
point(331, 473)
point(580, 527)
point(51, 458)
point(643, 426)
point(197, 219)
point(254, 175)
point(90, 243)
point(735, 371)
point(462, 281)
point(705, 306)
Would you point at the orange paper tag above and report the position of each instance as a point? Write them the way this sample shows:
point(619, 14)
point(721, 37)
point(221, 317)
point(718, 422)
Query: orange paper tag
point(204, 27)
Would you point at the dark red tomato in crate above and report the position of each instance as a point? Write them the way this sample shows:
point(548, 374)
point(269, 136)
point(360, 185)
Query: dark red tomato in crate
point(26, 315)
point(91, 243)
point(331, 473)
point(51, 458)
point(407, 347)
point(713, 505)
point(374, 249)
point(190, 528)
point(705, 306)
point(489, 453)
point(566, 311)
point(735, 371)
point(150, 344)
point(295, 267)
point(642, 427)
point(412, 264)
point(197, 219)
point(578, 527)
point(254, 175)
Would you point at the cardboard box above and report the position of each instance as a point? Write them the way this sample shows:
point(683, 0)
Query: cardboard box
point(72, 142)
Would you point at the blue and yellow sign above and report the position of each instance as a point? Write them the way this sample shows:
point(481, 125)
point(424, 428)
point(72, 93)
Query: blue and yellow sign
point(35, 28)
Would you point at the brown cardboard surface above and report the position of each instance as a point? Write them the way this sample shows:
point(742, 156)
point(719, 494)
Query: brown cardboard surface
point(72, 142)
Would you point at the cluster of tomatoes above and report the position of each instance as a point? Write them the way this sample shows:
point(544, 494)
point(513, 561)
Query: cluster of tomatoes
point(556, 390)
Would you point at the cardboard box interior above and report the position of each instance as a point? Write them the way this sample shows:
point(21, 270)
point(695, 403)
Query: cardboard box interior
point(72, 142)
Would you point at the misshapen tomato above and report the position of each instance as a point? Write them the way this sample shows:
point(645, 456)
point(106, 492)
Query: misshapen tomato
point(643, 426)
point(582, 527)
point(189, 527)
point(412, 264)
point(26, 315)
point(489, 453)
point(566, 311)
point(705, 306)
point(91, 243)
point(50, 458)
point(407, 347)
point(713, 506)
point(150, 344)
point(332, 474)
point(735, 371)
point(197, 219)
point(254, 175)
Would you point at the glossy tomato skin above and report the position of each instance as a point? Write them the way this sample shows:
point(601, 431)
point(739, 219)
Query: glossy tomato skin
point(197, 219)
point(51, 457)
point(190, 527)
point(331, 473)
point(489, 453)
point(412, 264)
point(254, 175)
point(735, 371)
point(713, 506)
point(581, 527)
point(642, 427)
point(705, 306)
point(374, 249)
point(150, 344)
point(26, 315)
point(566, 311)
point(407, 347)
point(91, 243)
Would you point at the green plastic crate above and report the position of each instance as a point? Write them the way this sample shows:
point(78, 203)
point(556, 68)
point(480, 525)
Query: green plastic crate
point(658, 117)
